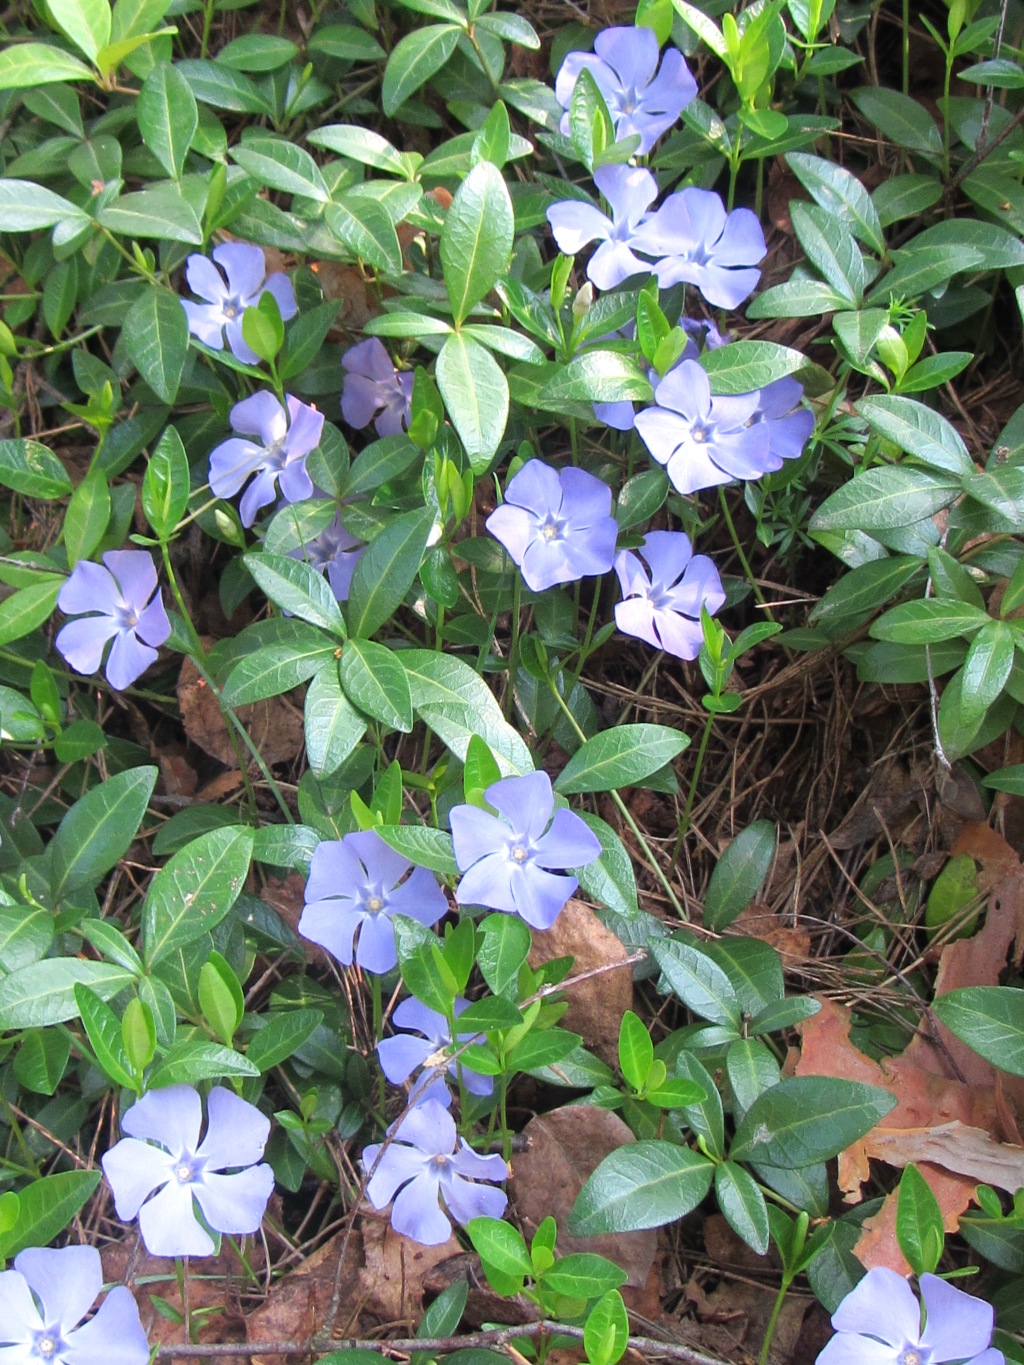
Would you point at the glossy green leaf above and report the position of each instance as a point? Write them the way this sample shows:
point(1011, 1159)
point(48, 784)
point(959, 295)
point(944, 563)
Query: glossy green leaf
point(298, 589)
point(739, 874)
point(44, 992)
point(166, 484)
point(421, 845)
point(641, 1185)
point(622, 757)
point(414, 59)
point(103, 1029)
point(901, 119)
point(189, 1062)
point(161, 212)
point(281, 165)
point(476, 240)
point(742, 1205)
point(24, 65)
point(386, 571)
point(840, 194)
point(475, 393)
point(195, 890)
point(743, 366)
point(698, 981)
point(24, 610)
point(920, 1230)
point(808, 1119)
point(333, 726)
point(885, 498)
point(168, 118)
point(46, 1207)
point(281, 1036)
point(989, 1019)
point(374, 679)
point(294, 652)
point(917, 430)
point(452, 699)
point(155, 337)
point(32, 469)
point(98, 830)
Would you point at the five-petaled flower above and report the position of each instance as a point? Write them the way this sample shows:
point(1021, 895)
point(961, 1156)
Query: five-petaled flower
point(373, 391)
point(401, 1054)
point(695, 241)
point(227, 296)
point(125, 607)
point(704, 441)
point(879, 1323)
point(623, 64)
point(661, 604)
point(333, 552)
point(355, 885)
point(507, 859)
point(789, 425)
point(556, 525)
point(44, 1299)
point(278, 458)
point(425, 1160)
point(181, 1168)
point(629, 191)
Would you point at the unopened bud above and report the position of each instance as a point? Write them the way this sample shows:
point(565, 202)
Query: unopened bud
point(583, 302)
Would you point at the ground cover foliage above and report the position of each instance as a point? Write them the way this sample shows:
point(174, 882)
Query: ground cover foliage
point(510, 680)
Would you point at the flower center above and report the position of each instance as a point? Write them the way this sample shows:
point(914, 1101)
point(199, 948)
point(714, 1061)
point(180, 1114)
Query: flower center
point(276, 453)
point(913, 1355)
point(552, 529)
point(519, 853)
point(183, 1173)
point(699, 434)
point(126, 617)
point(375, 904)
point(47, 1344)
point(232, 309)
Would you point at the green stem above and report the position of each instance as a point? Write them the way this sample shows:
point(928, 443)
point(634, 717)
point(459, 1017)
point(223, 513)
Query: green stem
point(906, 48)
point(741, 554)
point(207, 25)
point(378, 1029)
point(513, 649)
point(769, 1331)
point(625, 812)
point(684, 822)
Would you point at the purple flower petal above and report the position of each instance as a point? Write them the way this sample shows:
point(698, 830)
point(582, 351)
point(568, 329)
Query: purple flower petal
point(206, 323)
point(882, 1304)
point(260, 415)
point(236, 1132)
point(67, 1281)
point(376, 951)
point(153, 625)
point(488, 882)
point(91, 587)
point(845, 1349)
point(957, 1325)
point(540, 896)
point(82, 642)
point(259, 494)
point(525, 803)
point(332, 924)
point(306, 425)
point(475, 834)
point(113, 1336)
point(401, 1054)
point(283, 291)
point(206, 280)
point(417, 1214)
point(171, 1116)
point(235, 1203)
point(244, 266)
point(574, 224)
point(398, 1164)
point(128, 659)
point(631, 52)
point(239, 347)
point(134, 1169)
point(370, 359)
point(568, 843)
point(169, 1226)
point(465, 1200)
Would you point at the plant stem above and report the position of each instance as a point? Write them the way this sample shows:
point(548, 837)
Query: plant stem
point(769, 1331)
point(741, 554)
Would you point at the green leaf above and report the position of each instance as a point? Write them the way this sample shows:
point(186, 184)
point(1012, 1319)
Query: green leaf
point(423, 846)
point(294, 652)
point(103, 1029)
point(739, 874)
point(26, 609)
point(623, 757)
point(502, 1253)
point(24, 207)
point(885, 498)
point(46, 1206)
point(583, 1275)
point(23, 65)
point(901, 119)
point(920, 1230)
point(87, 517)
point(280, 165)
point(44, 992)
point(168, 118)
point(641, 1185)
point(259, 52)
point(930, 621)
point(989, 1019)
point(41, 1059)
point(917, 430)
point(596, 377)
point(610, 878)
point(919, 272)
point(415, 59)
point(475, 392)
point(808, 1119)
point(742, 1204)
point(477, 237)
point(189, 1062)
point(798, 299)
point(606, 1330)
point(155, 336)
point(386, 571)
point(195, 890)
point(452, 699)
point(698, 981)
point(281, 1036)
point(840, 194)
point(743, 366)
point(831, 249)
point(1001, 249)
point(85, 22)
point(222, 88)
point(161, 212)
point(297, 588)
point(1002, 490)
point(98, 830)
point(636, 1051)
point(374, 679)
point(333, 726)
point(166, 484)
point(986, 669)
point(506, 943)
point(32, 469)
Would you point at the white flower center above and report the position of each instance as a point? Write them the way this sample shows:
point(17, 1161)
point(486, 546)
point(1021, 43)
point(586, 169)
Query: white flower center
point(46, 1346)
point(126, 617)
point(183, 1172)
point(231, 309)
point(552, 528)
point(519, 853)
point(375, 904)
point(912, 1355)
point(699, 434)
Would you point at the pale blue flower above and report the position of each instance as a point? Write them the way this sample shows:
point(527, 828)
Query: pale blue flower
point(425, 1163)
point(556, 525)
point(517, 861)
point(163, 1154)
point(333, 552)
point(43, 1301)
point(661, 603)
point(355, 885)
point(228, 295)
point(402, 1053)
point(277, 457)
point(695, 241)
point(879, 1323)
point(629, 191)
point(623, 66)
point(373, 390)
point(789, 425)
point(124, 606)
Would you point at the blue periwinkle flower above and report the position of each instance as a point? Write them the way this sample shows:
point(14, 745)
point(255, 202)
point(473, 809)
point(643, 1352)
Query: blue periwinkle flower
point(334, 552)
point(373, 391)
point(43, 1301)
point(556, 525)
point(623, 66)
point(355, 886)
point(629, 192)
point(426, 1162)
point(228, 295)
point(789, 425)
point(879, 1323)
point(402, 1053)
point(124, 606)
point(695, 241)
point(516, 861)
point(704, 441)
point(277, 457)
point(661, 603)
point(163, 1154)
